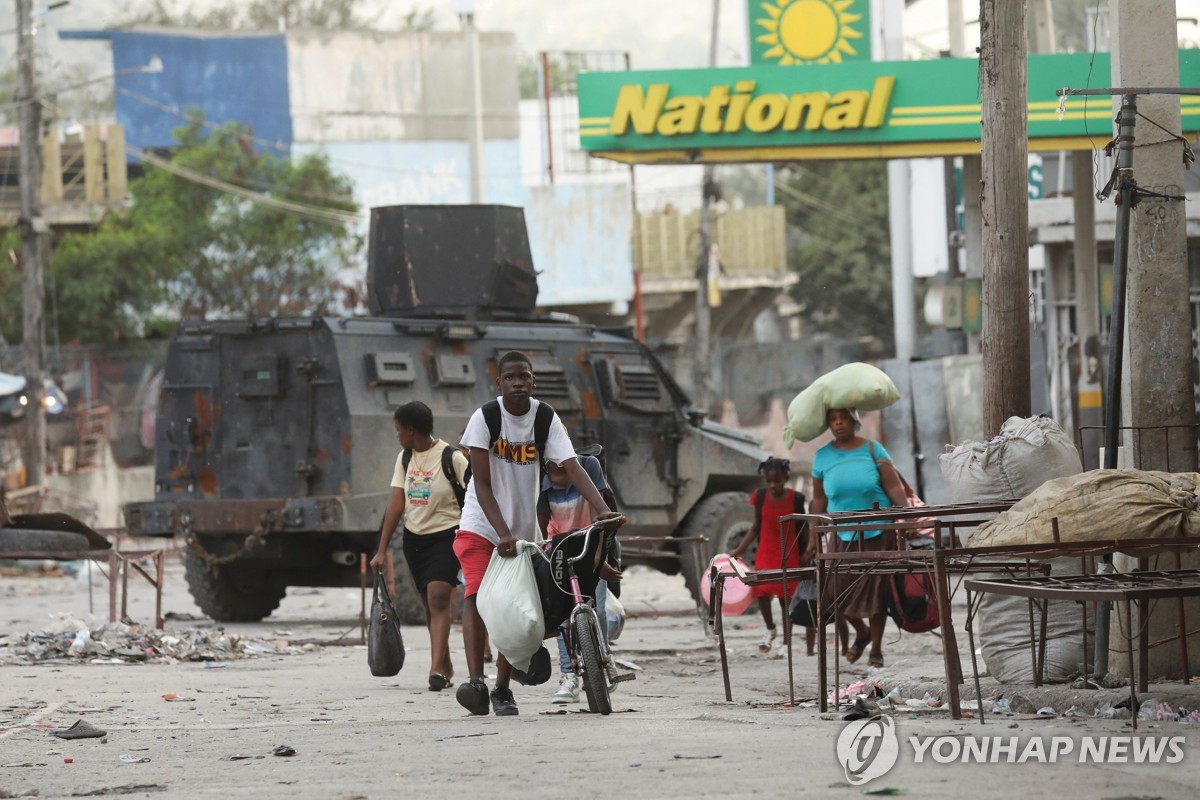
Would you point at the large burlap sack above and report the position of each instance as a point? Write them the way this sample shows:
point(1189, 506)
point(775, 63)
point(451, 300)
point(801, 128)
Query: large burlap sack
point(1003, 623)
point(1100, 504)
point(1013, 464)
point(1026, 453)
point(855, 385)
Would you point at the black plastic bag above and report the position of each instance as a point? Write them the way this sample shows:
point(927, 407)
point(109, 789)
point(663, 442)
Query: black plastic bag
point(385, 645)
point(803, 608)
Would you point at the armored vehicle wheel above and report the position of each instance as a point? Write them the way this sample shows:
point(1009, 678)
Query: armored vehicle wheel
point(16, 540)
point(407, 599)
point(723, 519)
point(237, 593)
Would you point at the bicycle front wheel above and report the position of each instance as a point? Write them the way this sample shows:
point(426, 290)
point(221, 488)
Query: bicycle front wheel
point(586, 630)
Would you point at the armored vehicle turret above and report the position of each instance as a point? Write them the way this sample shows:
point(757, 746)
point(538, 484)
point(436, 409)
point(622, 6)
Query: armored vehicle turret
point(274, 445)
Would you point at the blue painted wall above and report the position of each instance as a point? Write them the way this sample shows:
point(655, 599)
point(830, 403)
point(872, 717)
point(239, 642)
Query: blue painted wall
point(232, 78)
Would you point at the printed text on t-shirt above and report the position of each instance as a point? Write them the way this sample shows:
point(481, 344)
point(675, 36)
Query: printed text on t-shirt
point(516, 453)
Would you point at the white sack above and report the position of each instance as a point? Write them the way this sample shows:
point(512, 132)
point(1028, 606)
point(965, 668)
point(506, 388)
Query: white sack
point(1026, 453)
point(1013, 464)
point(511, 606)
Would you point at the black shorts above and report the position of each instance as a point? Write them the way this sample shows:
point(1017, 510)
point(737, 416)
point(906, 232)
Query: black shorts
point(430, 557)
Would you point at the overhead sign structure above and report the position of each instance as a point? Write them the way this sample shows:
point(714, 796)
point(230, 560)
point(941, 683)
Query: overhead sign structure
point(788, 32)
point(863, 109)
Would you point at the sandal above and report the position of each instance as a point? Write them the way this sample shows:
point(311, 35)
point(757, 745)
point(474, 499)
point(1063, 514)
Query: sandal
point(875, 660)
point(437, 682)
point(856, 650)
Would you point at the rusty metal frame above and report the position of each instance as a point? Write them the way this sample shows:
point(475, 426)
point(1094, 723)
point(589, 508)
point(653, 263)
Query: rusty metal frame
point(1129, 588)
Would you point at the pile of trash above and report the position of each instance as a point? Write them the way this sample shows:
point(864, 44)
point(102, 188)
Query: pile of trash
point(69, 638)
point(868, 699)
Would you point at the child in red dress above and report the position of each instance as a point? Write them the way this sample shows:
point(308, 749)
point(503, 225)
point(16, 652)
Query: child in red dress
point(773, 501)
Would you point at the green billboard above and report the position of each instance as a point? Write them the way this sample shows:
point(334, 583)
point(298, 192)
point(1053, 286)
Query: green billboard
point(863, 109)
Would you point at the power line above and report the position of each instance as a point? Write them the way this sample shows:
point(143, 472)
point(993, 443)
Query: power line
point(331, 215)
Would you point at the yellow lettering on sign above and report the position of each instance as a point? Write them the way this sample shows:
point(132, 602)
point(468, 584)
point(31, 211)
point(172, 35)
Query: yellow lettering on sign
point(680, 115)
point(881, 97)
point(650, 111)
point(639, 107)
point(714, 104)
point(766, 112)
point(846, 110)
point(813, 103)
point(737, 106)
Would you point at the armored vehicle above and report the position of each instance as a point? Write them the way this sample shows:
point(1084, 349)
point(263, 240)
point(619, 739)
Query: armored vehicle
point(274, 445)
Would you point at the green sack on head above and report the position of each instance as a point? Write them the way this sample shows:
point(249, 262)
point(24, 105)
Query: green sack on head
point(856, 385)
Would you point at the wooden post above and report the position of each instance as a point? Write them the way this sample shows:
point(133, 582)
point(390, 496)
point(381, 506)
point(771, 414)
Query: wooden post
point(1005, 201)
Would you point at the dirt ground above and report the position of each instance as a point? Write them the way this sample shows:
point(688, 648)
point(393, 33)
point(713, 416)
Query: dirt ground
point(356, 736)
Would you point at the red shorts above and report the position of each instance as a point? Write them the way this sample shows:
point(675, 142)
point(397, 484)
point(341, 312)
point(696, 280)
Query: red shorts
point(474, 553)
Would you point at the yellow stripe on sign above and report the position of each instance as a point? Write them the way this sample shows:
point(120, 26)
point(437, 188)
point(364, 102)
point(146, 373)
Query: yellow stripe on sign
point(594, 132)
point(935, 121)
point(1091, 399)
point(587, 121)
point(911, 110)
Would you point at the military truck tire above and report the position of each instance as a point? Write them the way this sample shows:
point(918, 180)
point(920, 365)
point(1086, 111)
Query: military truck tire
point(235, 594)
point(408, 600)
point(17, 540)
point(722, 518)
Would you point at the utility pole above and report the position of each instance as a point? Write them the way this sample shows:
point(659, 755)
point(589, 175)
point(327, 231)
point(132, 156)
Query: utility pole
point(31, 225)
point(1005, 201)
point(904, 312)
point(1159, 387)
point(466, 15)
point(704, 266)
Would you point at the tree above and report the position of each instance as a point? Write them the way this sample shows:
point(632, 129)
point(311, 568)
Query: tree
point(200, 251)
point(840, 249)
point(258, 15)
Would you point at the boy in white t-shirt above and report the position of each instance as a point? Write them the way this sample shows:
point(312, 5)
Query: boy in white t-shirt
point(501, 507)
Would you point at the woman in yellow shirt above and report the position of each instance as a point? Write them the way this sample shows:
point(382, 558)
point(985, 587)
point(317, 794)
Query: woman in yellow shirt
point(425, 499)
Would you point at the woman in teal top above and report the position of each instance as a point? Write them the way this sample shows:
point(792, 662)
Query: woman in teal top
point(852, 473)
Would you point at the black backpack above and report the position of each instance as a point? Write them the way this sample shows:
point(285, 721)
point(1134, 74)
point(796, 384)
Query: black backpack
point(541, 424)
point(460, 489)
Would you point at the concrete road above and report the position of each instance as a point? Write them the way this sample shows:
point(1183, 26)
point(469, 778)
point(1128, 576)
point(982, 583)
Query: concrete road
point(672, 734)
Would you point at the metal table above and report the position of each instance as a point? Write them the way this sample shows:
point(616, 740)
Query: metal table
point(1130, 588)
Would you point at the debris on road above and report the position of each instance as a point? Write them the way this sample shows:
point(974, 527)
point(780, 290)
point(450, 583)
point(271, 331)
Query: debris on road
point(82, 729)
point(70, 639)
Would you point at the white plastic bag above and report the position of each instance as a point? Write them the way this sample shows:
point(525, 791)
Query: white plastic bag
point(511, 606)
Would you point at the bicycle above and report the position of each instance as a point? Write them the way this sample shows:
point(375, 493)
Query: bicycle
point(590, 655)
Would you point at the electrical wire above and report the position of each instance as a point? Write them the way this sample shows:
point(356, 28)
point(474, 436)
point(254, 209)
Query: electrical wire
point(330, 215)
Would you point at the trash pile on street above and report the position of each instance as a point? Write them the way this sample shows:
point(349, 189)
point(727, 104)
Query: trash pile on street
point(869, 699)
point(71, 639)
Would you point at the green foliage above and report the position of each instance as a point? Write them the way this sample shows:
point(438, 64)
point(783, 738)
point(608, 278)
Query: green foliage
point(258, 15)
point(186, 250)
point(840, 248)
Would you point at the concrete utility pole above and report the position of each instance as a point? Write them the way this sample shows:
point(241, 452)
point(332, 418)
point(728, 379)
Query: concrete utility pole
point(1005, 199)
point(704, 267)
point(1159, 385)
point(31, 226)
point(466, 15)
point(904, 311)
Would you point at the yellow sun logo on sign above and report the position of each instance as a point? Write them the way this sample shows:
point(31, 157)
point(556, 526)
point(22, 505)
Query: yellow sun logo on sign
point(809, 31)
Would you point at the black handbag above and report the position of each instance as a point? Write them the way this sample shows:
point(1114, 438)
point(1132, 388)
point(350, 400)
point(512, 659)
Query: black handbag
point(385, 644)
